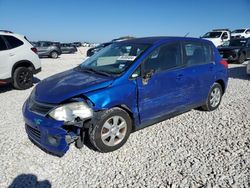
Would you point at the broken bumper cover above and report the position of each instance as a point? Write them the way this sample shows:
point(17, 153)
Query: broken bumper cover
point(46, 133)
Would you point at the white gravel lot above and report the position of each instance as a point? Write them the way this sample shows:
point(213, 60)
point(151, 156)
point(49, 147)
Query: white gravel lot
point(196, 149)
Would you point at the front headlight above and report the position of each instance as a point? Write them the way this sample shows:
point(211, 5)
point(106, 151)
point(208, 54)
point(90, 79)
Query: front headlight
point(69, 112)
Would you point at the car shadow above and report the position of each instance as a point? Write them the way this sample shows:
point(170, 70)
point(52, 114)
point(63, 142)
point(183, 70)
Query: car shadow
point(8, 87)
point(238, 72)
point(29, 181)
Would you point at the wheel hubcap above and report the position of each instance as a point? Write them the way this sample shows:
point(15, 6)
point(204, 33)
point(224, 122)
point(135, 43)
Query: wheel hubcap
point(24, 78)
point(215, 97)
point(113, 131)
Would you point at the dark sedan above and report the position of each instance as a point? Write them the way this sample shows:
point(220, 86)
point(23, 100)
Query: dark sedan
point(236, 50)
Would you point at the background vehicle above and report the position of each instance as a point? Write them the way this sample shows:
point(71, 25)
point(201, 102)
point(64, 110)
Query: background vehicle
point(126, 86)
point(96, 49)
point(48, 49)
point(67, 48)
point(19, 60)
point(218, 36)
point(241, 33)
point(236, 50)
point(77, 44)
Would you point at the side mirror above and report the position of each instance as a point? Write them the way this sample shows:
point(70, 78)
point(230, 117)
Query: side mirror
point(147, 76)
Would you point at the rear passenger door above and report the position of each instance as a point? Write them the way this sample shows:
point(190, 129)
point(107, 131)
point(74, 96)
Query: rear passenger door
point(200, 70)
point(4, 60)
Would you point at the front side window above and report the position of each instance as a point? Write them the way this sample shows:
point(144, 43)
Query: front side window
point(163, 58)
point(115, 58)
point(196, 53)
point(2, 44)
point(13, 41)
point(212, 35)
point(239, 31)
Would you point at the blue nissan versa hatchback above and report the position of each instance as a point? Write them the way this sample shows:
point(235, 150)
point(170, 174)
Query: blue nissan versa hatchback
point(124, 87)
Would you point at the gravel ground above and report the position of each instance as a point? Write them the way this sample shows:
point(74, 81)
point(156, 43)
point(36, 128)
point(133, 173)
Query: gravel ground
point(196, 149)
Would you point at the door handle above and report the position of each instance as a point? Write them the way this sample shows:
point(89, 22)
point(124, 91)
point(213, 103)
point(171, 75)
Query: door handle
point(179, 76)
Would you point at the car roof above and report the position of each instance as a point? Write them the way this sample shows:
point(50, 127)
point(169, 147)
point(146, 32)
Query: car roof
point(154, 40)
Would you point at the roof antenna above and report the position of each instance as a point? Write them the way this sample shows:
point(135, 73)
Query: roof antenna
point(186, 34)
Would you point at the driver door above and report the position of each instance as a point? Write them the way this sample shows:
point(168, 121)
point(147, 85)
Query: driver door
point(161, 90)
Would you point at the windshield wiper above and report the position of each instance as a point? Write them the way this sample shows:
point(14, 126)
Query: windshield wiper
point(91, 70)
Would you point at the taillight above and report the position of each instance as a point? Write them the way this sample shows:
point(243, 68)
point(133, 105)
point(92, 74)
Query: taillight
point(34, 50)
point(224, 62)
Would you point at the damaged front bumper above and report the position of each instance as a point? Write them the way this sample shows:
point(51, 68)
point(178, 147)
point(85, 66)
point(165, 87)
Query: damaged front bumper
point(51, 135)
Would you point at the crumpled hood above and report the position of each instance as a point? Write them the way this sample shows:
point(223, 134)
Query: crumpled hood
point(68, 84)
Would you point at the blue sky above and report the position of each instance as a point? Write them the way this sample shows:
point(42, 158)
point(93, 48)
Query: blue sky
point(103, 20)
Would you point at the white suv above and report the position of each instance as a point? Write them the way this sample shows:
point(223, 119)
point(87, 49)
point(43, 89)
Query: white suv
point(218, 36)
point(241, 33)
point(18, 60)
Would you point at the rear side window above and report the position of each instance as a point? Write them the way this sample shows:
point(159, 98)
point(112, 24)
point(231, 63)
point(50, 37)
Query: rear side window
point(13, 41)
point(2, 44)
point(196, 53)
point(163, 58)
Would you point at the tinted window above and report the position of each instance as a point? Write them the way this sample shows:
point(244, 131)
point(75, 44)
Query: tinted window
point(197, 53)
point(248, 31)
point(2, 44)
point(164, 57)
point(13, 42)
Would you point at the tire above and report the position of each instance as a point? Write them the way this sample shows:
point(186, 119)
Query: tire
point(22, 78)
point(242, 58)
point(214, 98)
point(54, 55)
point(107, 140)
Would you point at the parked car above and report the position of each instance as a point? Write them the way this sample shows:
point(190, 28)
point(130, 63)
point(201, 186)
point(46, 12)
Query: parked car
point(67, 48)
point(218, 36)
point(241, 33)
point(236, 50)
point(18, 60)
point(48, 49)
point(96, 49)
point(77, 44)
point(125, 87)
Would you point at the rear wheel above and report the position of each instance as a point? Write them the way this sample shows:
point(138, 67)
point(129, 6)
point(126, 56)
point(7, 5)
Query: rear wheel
point(54, 55)
point(242, 58)
point(22, 78)
point(214, 98)
point(111, 130)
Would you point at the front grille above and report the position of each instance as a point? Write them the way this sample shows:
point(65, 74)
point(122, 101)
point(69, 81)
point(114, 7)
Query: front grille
point(40, 108)
point(33, 132)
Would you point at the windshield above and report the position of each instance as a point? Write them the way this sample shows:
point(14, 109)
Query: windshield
point(114, 59)
point(238, 43)
point(212, 35)
point(239, 31)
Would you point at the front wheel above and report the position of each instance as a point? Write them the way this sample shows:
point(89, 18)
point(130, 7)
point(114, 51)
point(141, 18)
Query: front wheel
point(242, 58)
point(22, 78)
point(111, 130)
point(214, 98)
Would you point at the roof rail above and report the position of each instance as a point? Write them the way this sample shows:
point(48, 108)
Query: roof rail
point(6, 31)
